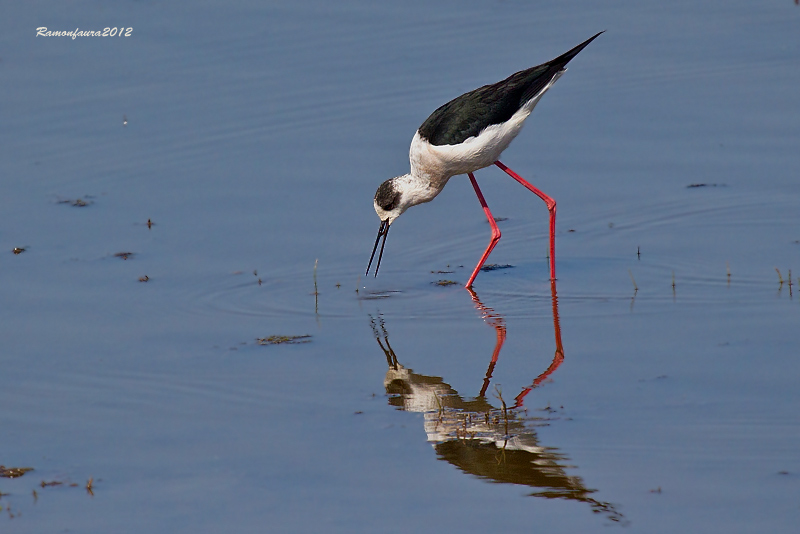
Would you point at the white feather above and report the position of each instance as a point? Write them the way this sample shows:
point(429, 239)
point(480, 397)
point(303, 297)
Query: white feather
point(433, 165)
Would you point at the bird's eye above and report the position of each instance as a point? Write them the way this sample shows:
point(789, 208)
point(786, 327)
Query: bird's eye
point(386, 197)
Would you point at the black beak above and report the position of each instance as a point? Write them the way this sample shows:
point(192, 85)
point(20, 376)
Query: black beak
point(382, 231)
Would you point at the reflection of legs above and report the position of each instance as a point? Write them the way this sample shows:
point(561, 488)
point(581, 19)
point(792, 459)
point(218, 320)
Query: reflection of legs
point(557, 358)
point(391, 357)
point(495, 230)
point(551, 207)
point(496, 321)
point(501, 338)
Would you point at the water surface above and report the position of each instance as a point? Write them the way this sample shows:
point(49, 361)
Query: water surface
point(652, 390)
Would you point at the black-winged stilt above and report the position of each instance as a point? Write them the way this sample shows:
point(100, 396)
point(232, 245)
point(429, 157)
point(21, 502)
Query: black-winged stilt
point(467, 134)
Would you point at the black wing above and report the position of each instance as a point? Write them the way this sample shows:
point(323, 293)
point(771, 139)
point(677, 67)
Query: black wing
point(468, 115)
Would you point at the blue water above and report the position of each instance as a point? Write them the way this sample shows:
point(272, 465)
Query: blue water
point(253, 137)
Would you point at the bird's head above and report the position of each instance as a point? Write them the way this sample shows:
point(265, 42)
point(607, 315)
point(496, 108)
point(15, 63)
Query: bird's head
point(389, 203)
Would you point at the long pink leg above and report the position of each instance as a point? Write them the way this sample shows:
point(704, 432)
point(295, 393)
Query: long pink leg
point(495, 230)
point(551, 207)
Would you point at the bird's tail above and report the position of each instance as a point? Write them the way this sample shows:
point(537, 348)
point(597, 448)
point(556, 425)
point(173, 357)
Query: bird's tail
point(545, 75)
point(565, 58)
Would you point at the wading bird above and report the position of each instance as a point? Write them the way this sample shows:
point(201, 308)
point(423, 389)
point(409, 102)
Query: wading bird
point(467, 134)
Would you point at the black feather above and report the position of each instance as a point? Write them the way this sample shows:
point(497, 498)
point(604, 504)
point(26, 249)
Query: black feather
point(387, 196)
point(470, 113)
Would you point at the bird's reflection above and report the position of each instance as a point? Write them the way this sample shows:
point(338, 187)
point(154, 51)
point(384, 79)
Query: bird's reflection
point(496, 443)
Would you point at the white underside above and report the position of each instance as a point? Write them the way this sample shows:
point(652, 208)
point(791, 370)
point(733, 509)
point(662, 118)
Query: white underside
point(433, 165)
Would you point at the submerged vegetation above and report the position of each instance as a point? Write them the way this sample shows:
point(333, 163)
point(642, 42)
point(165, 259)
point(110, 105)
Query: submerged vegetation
point(283, 340)
point(13, 472)
point(496, 267)
point(77, 202)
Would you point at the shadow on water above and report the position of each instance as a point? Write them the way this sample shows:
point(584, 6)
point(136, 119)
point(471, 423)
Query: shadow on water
point(496, 444)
